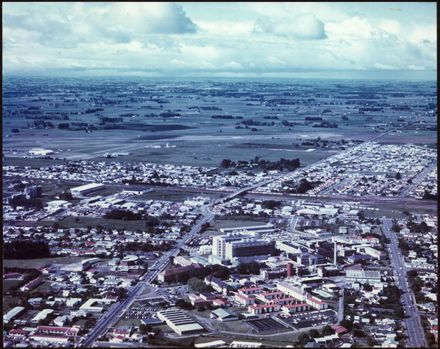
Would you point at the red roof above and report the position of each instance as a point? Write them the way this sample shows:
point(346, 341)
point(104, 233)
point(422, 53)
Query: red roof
point(339, 329)
point(257, 306)
point(18, 331)
point(58, 329)
point(296, 305)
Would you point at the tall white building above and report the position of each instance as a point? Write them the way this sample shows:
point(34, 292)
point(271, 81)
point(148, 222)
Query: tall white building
point(229, 246)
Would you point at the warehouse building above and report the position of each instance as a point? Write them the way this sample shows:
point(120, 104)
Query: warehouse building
point(179, 321)
point(13, 313)
point(85, 189)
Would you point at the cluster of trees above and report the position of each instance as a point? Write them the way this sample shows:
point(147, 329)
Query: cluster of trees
point(287, 123)
point(64, 126)
point(313, 118)
point(183, 304)
point(122, 214)
point(251, 122)
point(216, 270)
point(21, 200)
point(418, 228)
point(26, 249)
point(228, 117)
point(144, 246)
point(396, 227)
point(429, 196)
point(40, 124)
point(93, 110)
point(393, 293)
point(266, 165)
point(104, 119)
point(65, 195)
point(197, 285)
point(304, 338)
point(169, 114)
point(302, 187)
point(415, 281)
point(326, 124)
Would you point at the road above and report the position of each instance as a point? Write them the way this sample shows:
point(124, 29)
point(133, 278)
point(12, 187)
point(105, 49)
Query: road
point(413, 326)
point(341, 305)
point(117, 309)
point(370, 201)
point(416, 181)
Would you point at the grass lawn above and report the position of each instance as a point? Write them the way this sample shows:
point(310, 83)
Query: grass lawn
point(239, 222)
point(11, 284)
point(39, 262)
point(69, 222)
point(8, 303)
point(127, 322)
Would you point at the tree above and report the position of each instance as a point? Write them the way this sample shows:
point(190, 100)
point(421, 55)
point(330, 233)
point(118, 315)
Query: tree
point(226, 163)
point(26, 249)
point(328, 330)
point(396, 227)
point(368, 287)
point(303, 338)
point(313, 333)
point(63, 126)
point(347, 324)
point(181, 303)
point(197, 285)
point(398, 176)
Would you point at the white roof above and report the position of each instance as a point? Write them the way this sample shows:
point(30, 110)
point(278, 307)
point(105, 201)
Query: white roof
point(189, 327)
point(212, 344)
point(42, 314)
point(87, 186)
point(12, 313)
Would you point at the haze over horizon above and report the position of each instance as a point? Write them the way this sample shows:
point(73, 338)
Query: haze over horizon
point(333, 40)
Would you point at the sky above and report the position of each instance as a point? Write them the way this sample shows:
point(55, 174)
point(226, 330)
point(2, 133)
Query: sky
point(221, 39)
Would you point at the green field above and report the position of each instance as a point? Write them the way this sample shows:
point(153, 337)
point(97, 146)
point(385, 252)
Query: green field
point(39, 262)
point(239, 222)
point(69, 222)
point(11, 284)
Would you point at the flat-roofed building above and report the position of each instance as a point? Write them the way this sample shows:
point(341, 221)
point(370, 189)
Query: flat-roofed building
point(86, 188)
point(41, 315)
point(13, 313)
point(356, 273)
point(179, 321)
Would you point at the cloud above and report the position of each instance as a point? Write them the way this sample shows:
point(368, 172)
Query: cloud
point(69, 25)
point(151, 38)
point(304, 27)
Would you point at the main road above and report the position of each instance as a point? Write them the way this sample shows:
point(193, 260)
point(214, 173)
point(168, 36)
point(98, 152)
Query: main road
point(413, 325)
point(118, 308)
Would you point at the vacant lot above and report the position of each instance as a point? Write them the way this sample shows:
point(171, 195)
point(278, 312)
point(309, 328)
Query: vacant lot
point(69, 222)
point(39, 262)
point(239, 222)
point(11, 284)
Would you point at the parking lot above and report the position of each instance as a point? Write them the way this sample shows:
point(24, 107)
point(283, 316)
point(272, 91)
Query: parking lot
point(265, 325)
point(139, 312)
point(310, 319)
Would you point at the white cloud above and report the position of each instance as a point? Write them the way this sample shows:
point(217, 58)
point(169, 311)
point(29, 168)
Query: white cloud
point(304, 27)
point(154, 37)
point(384, 66)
